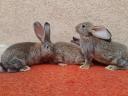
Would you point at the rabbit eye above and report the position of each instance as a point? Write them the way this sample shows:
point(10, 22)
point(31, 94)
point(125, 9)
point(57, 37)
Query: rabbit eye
point(83, 26)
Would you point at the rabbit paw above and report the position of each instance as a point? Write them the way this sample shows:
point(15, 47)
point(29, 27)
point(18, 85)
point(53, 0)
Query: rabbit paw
point(85, 66)
point(26, 68)
point(62, 64)
point(111, 67)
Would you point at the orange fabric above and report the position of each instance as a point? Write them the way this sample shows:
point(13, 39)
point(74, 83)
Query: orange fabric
point(53, 80)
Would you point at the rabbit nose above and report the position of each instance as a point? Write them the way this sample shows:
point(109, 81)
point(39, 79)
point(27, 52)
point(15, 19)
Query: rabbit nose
point(83, 26)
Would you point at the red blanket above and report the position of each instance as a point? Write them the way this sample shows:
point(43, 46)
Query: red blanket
point(53, 80)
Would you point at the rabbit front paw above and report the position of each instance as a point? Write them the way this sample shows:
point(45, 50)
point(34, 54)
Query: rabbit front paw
point(85, 66)
point(62, 64)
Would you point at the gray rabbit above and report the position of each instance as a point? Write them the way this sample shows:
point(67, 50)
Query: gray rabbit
point(66, 53)
point(20, 56)
point(95, 43)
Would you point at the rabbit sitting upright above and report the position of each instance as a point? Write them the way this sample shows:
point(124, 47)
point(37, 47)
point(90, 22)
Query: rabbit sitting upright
point(20, 56)
point(66, 53)
point(95, 43)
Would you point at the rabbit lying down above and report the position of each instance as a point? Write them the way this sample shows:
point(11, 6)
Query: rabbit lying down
point(20, 56)
point(95, 43)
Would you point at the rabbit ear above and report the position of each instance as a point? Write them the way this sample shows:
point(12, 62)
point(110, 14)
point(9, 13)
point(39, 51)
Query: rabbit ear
point(47, 31)
point(39, 31)
point(102, 33)
point(75, 40)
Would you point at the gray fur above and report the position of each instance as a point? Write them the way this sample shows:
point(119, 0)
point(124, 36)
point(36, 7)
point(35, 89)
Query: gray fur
point(20, 56)
point(110, 53)
point(66, 53)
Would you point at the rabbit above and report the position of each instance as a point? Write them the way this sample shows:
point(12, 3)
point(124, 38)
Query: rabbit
point(66, 53)
point(96, 44)
point(19, 57)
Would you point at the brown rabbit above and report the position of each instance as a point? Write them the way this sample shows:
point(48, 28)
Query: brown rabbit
point(20, 56)
point(93, 46)
point(66, 53)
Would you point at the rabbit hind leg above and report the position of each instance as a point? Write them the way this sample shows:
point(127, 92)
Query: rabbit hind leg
point(121, 64)
point(114, 67)
point(17, 65)
point(25, 68)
